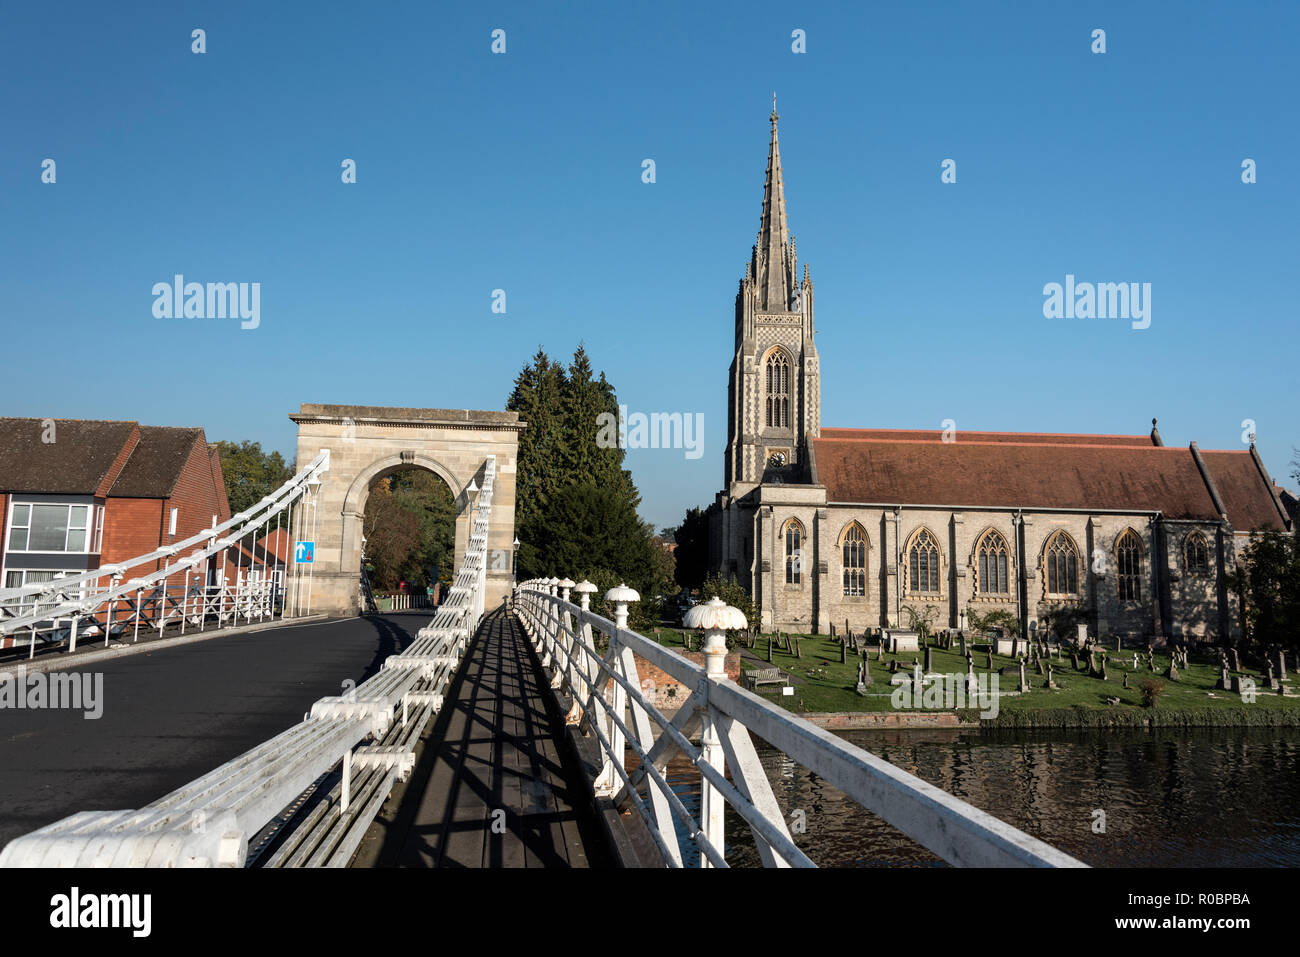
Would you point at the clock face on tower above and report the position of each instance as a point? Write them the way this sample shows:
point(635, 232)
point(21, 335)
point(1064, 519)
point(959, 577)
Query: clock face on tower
point(776, 460)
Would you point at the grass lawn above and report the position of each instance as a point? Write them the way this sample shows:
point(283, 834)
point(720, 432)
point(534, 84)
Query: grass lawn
point(823, 684)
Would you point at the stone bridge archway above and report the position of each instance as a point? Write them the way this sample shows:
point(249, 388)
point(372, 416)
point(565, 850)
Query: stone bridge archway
point(369, 442)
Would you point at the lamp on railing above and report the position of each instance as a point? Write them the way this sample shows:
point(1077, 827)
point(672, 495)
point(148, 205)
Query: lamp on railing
point(585, 589)
point(716, 617)
point(565, 584)
point(620, 596)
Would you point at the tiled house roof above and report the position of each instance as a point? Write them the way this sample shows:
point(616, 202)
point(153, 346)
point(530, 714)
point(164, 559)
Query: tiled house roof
point(156, 464)
point(84, 458)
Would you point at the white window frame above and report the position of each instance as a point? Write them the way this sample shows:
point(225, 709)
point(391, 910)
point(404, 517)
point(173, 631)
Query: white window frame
point(172, 519)
point(68, 527)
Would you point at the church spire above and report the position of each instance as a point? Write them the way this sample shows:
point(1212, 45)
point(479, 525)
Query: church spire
point(773, 271)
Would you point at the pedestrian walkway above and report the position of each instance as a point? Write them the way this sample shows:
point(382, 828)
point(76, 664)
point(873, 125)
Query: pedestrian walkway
point(495, 785)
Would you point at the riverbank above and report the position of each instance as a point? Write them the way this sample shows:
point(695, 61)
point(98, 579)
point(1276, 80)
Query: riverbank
point(1057, 719)
point(825, 691)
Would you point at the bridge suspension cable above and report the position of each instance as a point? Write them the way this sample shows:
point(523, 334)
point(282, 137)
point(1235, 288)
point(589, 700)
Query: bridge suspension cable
point(256, 584)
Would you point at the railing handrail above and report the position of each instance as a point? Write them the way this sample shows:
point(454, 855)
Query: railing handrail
point(955, 830)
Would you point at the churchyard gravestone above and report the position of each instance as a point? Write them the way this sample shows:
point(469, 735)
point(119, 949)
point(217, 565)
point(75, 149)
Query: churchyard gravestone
point(1006, 645)
point(902, 640)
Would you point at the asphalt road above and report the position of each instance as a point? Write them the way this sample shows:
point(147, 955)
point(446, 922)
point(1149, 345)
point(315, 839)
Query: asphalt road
point(171, 715)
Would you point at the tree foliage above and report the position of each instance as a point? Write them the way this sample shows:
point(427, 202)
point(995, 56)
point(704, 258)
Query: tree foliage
point(1267, 583)
point(250, 473)
point(997, 618)
point(731, 592)
point(692, 549)
point(575, 504)
point(410, 529)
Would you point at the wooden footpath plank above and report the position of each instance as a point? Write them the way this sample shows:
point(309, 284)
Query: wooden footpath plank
point(494, 748)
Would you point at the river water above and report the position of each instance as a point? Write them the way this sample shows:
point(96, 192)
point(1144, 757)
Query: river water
point(1176, 798)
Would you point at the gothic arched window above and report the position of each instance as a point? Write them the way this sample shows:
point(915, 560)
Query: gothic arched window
point(778, 390)
point(1128, 562)
point(992, 555)
point(1062, 560)
point(923, 564)
point(793, 552)
point(1197, 552)
point(854, 546)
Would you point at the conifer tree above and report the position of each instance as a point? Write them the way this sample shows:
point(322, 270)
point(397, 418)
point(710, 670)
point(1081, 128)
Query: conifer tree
point(575, 504)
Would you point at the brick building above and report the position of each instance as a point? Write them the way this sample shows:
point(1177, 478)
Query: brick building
point(78, 494)
point(867, 526)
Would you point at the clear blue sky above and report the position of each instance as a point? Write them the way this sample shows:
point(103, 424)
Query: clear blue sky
point(523, 172)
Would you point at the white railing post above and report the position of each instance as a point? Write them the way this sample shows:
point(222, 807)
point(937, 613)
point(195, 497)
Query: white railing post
point(609, 780)
point(715, 618)
point(577, 661)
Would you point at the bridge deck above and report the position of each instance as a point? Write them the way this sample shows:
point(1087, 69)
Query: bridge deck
point(173, 713)
point(496, 746)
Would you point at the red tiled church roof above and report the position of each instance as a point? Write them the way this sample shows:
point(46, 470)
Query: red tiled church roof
point(1245, 492)
point(1018, 438)
point(1017, 470)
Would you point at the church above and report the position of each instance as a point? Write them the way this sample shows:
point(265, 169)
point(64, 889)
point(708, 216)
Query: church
point(871, 527)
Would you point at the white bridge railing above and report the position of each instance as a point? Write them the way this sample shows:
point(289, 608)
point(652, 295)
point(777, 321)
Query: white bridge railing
point(238, 570)
point(607, 701)
point(211, 821)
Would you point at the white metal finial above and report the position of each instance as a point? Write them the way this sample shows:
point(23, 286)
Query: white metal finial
point(585, 590)
point(716, 617)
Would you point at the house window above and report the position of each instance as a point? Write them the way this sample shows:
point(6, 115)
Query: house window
point(793, 552)
point(778, 390)
point(1197, 551)
point(1062, 565)
point(923, 564)
point(854, 547)
point(992, 555)
point(1128, 561)
point(48, 528)
point(171, 522)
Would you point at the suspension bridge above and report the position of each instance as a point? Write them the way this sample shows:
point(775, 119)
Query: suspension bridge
point(508, 727)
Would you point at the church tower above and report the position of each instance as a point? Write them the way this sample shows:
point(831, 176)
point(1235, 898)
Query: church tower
point(774, 386)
